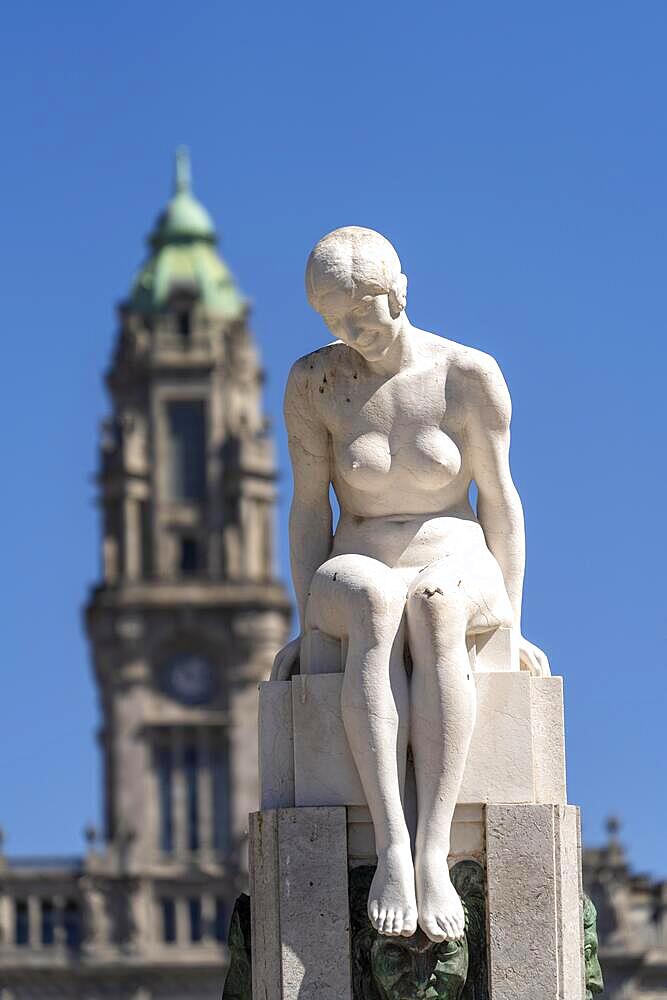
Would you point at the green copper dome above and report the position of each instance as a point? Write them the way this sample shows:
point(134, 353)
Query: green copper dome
point(184, 256)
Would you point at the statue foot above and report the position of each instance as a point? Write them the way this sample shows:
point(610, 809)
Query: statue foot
point(392, 905)
point(441, 915)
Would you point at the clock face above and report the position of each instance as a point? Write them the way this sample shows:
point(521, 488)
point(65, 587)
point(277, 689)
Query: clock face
point(189, 678)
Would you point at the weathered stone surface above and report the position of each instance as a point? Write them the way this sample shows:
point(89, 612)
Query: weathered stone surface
point(265, 905)
point(467, 840)
point(570, 891)
point(516, 754)
point(492, 651)
point(300, 913)
point(324, 770)
point(500, 759)
point(546, 695)
point(531, 863)
point(276, 745)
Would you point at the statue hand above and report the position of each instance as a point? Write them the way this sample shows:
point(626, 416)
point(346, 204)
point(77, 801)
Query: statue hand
point(285, 660)
point(532, 659)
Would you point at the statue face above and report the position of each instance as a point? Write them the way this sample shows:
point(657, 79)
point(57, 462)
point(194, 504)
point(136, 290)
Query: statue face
point(415, 968)
point(594, 982)
point(365, 324)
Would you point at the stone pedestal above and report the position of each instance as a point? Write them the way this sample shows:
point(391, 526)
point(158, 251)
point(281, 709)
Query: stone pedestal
point(299, 904)
point(512, 818)
point(535, 925)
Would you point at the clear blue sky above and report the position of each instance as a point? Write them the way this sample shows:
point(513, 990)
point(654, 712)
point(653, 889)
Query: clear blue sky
point(516, 153)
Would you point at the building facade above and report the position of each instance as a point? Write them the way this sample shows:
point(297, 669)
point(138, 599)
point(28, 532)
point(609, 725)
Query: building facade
point(632, 923)
point(183, 624)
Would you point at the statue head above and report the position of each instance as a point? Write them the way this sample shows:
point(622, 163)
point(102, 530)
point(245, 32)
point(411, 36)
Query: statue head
point(416, 968)
point(594, 983)
point(354, 281)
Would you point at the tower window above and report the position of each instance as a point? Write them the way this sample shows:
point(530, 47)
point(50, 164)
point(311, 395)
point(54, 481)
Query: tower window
point(168, 921)
point(164, 768)
point(184, 322)
point(190, 767)
point(186, 421)
point(189, 556)
point(21, 927)
point(220, 769)
point(72, 924)
point(48, 922)
point(194, 907)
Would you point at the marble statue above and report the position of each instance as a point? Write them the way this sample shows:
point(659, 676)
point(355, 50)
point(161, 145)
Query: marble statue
point(401, 422)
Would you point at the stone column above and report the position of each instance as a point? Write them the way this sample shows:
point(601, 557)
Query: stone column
point(182, 922)
point(59, 920)
point(132, 539)
point(208, 917)
point(179, 812)
point(34, 921)
point(204, 791)
point(300, 910)
point(6, 929)
point(534, 902)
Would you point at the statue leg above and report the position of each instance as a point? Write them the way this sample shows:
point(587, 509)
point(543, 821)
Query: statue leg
point(362, 600)
point(442, 720)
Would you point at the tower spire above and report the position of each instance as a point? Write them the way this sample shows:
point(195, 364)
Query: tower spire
point(183, 173)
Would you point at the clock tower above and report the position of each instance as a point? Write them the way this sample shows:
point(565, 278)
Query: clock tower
point(188, 613)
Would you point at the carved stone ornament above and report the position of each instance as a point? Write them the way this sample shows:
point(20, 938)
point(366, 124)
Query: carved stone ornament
point(594, 981)
point(416, 968)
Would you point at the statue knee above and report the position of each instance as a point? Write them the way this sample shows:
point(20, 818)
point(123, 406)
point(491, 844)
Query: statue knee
point(433, 603)
point(365, 587)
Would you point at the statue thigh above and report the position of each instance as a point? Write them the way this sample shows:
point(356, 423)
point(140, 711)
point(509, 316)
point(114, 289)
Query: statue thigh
point(356, 599)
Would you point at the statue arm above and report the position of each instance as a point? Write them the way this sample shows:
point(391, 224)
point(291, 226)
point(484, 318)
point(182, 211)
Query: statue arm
point(498, 503)
point(310, 522)
point(499, 506)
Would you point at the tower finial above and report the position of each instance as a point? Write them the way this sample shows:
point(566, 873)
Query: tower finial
point(182, 169)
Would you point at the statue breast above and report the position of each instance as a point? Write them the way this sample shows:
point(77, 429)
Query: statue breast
point(375, 461)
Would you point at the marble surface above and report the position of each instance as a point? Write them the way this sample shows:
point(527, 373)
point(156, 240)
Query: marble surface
point(299, 905)
point(401, 423)
point(517, 751)
point(534, 905)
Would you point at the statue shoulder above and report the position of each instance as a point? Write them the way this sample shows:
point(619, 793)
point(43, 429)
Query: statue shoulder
point(306, 376)
point(483, 383)
point(312, 366)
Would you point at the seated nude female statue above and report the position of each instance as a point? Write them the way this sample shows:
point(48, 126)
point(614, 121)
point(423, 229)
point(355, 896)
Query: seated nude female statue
point(401, 422)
